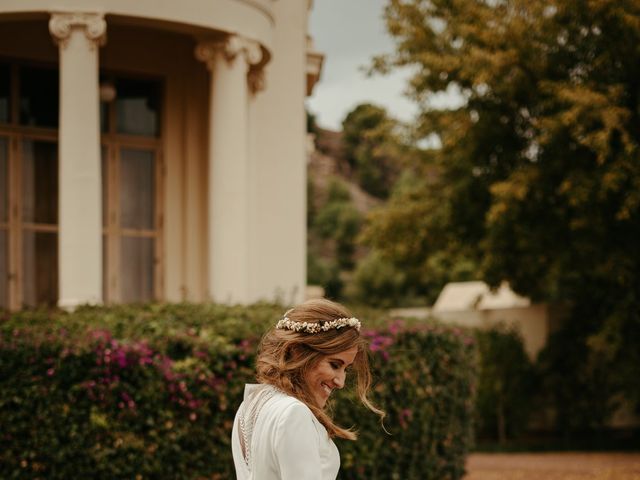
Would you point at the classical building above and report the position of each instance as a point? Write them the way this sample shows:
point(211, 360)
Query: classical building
point(153, 150)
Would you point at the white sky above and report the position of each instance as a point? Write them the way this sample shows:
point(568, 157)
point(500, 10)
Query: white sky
point(350, 33)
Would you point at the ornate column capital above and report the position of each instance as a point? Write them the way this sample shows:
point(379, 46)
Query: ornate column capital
point(229, 47)
point(94, 26)
point(256, 80)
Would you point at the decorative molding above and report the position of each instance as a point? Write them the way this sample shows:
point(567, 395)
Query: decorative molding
point(252, 52)
point(314, 62)
point(256, 80)
point(229, 47)
point(206, 52)
point(93, 24)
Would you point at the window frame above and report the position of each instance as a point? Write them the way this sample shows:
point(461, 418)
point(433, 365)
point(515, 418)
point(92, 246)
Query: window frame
point(16, 134)
point(112, 143)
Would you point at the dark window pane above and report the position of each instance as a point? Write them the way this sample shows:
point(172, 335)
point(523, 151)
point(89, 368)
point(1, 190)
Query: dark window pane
point(104, 117)
point(4, 269)
point(136, 269)
point(39, 97)
point(107, 95)
point(138, 107)
point(4, 180)
point(5, 93)
point(40, 268)
point(137, 189)
point(40, 182)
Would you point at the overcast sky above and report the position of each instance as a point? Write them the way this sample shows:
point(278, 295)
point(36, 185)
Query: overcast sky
point(350, 33)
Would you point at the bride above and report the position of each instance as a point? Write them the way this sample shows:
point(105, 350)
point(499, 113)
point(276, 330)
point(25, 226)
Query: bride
point(282, 430)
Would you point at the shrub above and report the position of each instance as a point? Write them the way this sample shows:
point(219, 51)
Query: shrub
point(150, 392)
point(377, 281)
point(426, 385)
point(506, 384)
point(340, 221)
point(324, 272)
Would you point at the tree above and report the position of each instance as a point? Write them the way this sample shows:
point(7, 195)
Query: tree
point(506, 383)
point(373, 148)
point(339, 221)
point(538, 178)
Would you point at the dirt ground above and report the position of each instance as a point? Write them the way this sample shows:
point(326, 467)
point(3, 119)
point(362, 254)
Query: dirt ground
point(553, 466)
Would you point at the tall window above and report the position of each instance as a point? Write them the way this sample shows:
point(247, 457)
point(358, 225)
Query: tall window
point(131, 173)
point(28, 185)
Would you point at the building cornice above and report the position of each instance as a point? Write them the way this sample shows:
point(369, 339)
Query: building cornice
point(262, 8)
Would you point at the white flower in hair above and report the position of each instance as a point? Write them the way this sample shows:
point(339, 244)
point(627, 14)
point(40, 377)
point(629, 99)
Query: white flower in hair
point(312, 327)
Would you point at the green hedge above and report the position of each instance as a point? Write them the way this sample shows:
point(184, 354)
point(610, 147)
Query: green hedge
point(150, 392)
point(507, 384)
point(426, 384)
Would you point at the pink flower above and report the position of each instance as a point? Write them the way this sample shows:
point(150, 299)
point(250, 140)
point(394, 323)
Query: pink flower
point(121, 358)
point(396, 326)
point(380, 343)
point(405, 415)
point(104, 335)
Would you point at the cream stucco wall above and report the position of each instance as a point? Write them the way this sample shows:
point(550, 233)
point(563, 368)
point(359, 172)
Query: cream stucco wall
point(533, 322)
point(278, 251)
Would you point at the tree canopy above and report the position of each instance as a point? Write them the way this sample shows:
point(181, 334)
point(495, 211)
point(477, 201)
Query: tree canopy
point(538, 178)
point(373, 148)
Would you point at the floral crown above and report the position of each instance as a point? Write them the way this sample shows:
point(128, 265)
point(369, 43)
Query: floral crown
point(312, 327)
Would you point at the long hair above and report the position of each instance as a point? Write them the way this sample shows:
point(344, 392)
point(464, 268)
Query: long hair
point(285, 356)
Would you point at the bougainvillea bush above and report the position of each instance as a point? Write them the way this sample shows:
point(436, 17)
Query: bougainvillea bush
point(426, 384)
point(150, 392)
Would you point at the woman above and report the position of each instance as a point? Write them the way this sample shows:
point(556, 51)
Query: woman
point(281, 430)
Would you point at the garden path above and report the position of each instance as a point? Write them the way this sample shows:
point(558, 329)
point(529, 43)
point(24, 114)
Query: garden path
point(553, 466)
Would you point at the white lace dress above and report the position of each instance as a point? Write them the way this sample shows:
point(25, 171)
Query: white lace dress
point(276, 437)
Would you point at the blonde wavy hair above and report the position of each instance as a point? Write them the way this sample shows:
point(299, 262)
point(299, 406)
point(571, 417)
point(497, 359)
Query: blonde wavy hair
point(285, 356)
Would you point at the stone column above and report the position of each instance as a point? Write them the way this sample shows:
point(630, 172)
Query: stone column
point(79, 36)
point(229, 62)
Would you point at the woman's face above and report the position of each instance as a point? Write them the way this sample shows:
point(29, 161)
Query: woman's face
point(329, 373)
